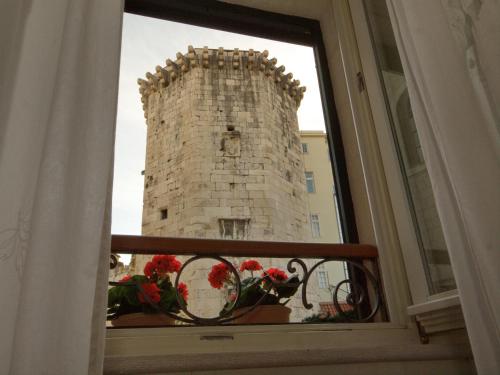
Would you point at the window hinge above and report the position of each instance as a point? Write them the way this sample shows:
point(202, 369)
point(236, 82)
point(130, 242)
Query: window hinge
point(361, 81)
point(424, 337)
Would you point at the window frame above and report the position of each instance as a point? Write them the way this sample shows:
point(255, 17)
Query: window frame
point(313, 223)
point(313, 185)
point(355, 112)
point(411, 252)
point(305, 148)
point(323, 278)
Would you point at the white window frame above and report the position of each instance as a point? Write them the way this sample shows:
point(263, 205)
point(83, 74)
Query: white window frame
point(240, 341)
point(405, 227)
point(323, 279)
point(311, 179)
point(315, 226)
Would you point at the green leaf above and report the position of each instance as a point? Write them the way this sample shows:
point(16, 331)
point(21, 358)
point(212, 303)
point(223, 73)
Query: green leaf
point(288, 288)
point(118, 294)
point(168, 301)
point(165, 284)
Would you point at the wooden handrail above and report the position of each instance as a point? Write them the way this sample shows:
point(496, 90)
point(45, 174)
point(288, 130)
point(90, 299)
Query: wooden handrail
point(127, 244)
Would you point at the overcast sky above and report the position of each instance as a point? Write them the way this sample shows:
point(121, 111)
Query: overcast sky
point(147, 42)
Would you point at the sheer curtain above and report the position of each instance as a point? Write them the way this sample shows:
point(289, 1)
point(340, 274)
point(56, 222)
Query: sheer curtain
point(451, 57)
point(59, 82)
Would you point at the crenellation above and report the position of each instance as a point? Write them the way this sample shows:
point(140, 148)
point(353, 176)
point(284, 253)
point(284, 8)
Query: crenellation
point(183, 62)
point(172, 69)
point(220, 58)
point(163, 75)
point(236, 58)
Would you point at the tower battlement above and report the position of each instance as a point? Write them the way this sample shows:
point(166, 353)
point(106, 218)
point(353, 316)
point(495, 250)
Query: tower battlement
point(219, 59)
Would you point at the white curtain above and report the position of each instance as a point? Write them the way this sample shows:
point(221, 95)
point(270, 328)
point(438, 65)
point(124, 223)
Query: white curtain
point(451, 56)
point(59, 81)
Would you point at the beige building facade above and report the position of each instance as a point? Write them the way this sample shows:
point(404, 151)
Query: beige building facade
point(323, 213)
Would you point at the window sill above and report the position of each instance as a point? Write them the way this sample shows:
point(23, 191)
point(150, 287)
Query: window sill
point(162, 350)
point(439, 315)
point(438, 302)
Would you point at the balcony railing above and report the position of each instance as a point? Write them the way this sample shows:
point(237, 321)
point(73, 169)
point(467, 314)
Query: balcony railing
point(361, 295)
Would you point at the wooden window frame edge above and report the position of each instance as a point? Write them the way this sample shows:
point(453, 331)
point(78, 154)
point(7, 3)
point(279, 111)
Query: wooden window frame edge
point(411, 253)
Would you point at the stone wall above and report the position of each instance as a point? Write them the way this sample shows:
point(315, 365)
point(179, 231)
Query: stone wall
point(223, 156)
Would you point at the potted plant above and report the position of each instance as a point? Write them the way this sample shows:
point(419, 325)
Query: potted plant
point(142, 300)
point(262, 298)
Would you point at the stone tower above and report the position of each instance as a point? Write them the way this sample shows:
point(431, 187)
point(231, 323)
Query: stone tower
point(223, 157)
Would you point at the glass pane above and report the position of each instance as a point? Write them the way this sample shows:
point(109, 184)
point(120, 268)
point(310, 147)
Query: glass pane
point(215, 144)
point(419, 190)
point(310, 182)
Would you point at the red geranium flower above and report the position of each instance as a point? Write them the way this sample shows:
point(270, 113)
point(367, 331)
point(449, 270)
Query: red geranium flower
point(183, 291)
point(149, 269)
point(250, 265)
point(150, 290)
point(166, 264)
point(276, 275)
point(125, 279)
point(161, 265)
point(218, 275)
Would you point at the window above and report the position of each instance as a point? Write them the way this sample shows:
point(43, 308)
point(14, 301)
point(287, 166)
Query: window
point(310, 182)
point(223, 199)
point(322, 279)
point(229, 227)
point(233, 229)
point(418, 190)
point(315, 226)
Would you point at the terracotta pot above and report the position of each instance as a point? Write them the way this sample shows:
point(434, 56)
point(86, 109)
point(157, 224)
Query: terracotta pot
point(142, 320)
point(263, 314)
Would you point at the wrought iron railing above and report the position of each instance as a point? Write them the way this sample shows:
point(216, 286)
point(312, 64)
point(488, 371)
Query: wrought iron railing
point(361, 303)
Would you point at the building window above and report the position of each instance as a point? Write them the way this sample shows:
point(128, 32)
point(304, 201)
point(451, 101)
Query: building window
point(322, 279)
point(305, 148)
point(234, 229)
point(315, 226)
point(164, 214)
point(310, 182)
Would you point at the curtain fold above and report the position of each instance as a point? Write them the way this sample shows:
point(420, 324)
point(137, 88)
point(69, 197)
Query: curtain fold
point(56, 160)
point(450, 51)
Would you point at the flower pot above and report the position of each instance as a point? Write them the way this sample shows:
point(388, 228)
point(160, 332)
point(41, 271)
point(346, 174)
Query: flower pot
point(142, 320)
point(263, 314)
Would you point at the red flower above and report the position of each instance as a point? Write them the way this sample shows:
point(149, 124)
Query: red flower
point(183, 291)
point(161, 265)
point(218, 275)
point(125, 279)
point(166, 264)
point(276, 275)
point(150, 290)
point(250, 265)
point(149, 269)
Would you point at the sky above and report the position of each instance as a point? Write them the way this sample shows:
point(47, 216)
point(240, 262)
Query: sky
point(147, 42)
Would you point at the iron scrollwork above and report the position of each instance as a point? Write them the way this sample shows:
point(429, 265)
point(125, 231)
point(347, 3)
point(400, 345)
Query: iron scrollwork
point(363, 298)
